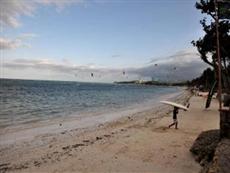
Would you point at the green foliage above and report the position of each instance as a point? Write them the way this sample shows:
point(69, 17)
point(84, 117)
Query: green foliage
point(207, 45)
point(206, 79)
point(224, 9)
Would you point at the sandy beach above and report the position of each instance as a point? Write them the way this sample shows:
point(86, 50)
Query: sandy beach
point(138, 143)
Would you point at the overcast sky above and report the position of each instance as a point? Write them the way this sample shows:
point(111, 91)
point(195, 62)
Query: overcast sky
point(115, 39)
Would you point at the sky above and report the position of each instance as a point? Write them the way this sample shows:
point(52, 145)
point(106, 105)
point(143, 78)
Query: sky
point(115, 40)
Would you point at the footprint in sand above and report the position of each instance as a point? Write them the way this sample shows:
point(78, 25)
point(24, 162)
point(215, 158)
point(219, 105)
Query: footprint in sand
point(160, 129)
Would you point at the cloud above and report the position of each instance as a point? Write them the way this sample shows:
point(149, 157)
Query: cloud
point(63, 70)
point(116, 56)
point(11, 10)
point(27, 36)
point(8, 43)
point(181, 66)
point(59, 4)
point(186, 55)
point(48, 64)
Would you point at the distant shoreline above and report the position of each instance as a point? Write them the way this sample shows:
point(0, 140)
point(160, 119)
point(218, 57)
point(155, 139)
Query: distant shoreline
point(157, 83)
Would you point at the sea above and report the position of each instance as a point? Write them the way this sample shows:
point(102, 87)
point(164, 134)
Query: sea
point(26, 101)
point(29, 101)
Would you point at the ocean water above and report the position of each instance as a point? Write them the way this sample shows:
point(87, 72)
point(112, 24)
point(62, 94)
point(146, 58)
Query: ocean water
point(26, 101)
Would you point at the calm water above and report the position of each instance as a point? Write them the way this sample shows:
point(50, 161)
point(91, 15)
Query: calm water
point(24, 101)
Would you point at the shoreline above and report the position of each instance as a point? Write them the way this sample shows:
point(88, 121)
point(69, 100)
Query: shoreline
point(141, 143)
point(21, 132)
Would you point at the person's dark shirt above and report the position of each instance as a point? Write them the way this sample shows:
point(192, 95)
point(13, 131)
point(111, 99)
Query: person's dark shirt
point(175, 112)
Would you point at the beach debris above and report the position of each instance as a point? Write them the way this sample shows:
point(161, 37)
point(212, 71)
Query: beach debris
point(63, 132)
point(44, 160)
point(18, 167)
point(107, 136)
point(91, 74)
point(4, 167)
point(123, 130)
point(148, 121)
point(130, 118)
point(65, 148)
point(4, 164)
point(98, 138)
point(60, 124)
point(37, 163)
point(86, 141)
point(77, 145)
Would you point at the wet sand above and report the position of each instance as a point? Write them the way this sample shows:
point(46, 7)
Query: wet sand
point(138, 143)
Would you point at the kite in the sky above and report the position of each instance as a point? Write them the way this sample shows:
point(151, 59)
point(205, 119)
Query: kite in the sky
point(123, 72)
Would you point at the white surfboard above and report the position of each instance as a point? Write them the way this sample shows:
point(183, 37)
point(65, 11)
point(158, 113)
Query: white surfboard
point(175, 105)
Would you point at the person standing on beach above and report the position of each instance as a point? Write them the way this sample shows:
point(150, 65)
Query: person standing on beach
point(175, 122)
